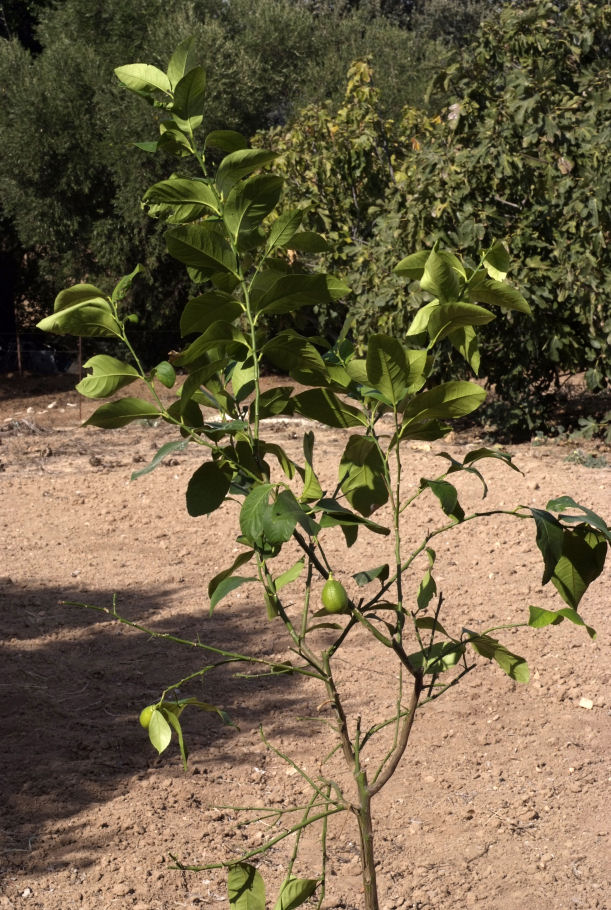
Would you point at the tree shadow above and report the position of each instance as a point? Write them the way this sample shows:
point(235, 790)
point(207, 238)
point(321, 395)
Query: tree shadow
point(74, 682)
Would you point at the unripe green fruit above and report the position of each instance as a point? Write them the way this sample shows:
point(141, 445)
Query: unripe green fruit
point(146, 715)
point(334, 597)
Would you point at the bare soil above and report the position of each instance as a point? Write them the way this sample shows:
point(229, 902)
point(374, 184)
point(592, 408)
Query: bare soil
point(499, 802)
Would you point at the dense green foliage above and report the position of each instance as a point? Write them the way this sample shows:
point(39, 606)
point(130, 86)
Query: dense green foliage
point(68, 189)
point(521, 151)
point(223, 224)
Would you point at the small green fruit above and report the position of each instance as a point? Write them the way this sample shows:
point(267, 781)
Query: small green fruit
point(334, 597)
point(146, 715)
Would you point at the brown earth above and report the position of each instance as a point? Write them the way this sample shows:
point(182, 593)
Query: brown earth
point(499, 802)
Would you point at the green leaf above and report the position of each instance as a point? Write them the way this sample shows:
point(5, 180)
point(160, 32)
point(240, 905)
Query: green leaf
point(294, 892)
point(511, 664)
point(291, 292)
point(447, 495)
point(207, 489)
point(81, 310)
point(283, 230)
point(311, 485)
point(213, 306)
point(287, 465)
point(464, 340)
point(441, 276)
point(426, 592)
point(119, 413)
point(226, 586)
point(180, 60)
point(447, 400)
point(252, 513)
point(245, 888)
point(362, 475)
point(591, 518)
point(387, 368)
point(250, 202)
point(539, 618)
point(412, 266)
point(583, 558)
point(295, 355)
point(282, 517)
point(336, 514)
point(125, 283)
point(324, 406)
point(220, 336)
point(142, 77)
point(108, 375)
point(429, 623)
point(497, 293)
point(199, 247)
point(448, 317)
point(165, 373)
point(174, 722)
point(182, 191)
point(189, 98)
point(178, 445)
point(309, 242)
point(160, 733)
point(239, 164)
point(226, 140)
point(238, 562)
point(290, 575)
point(496, 261)
point(550, 535)
point(441, 656)
point(273, 402)
point(368, 575)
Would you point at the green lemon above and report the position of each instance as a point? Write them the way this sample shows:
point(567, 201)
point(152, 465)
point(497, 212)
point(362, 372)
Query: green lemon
point(146, 715)
point(334, 597)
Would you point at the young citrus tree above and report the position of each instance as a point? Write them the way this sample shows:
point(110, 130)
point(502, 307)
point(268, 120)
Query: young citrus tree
point(222, 227)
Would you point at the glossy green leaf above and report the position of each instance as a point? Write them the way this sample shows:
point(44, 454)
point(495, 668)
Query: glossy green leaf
point(447, 317)
point(290, 575)
point(189, 97)
point(214, 306)
point(447, 495)
point(165, 373)
point(119, 413)
point(226, 140)
point(283, 230)
point(583, 558)
point(207, 489)
point(497, 293)
point(311, 485)
point(464, 340)
point(240, 560)
point(199, 247)
point(447, 400)
point(429, 623)
point(362, 475)
point(511, 664)
point(142, 77)
point(539, 618)
point(387, 368)
point(441, 656)
point(226, 586)
point(250, 202)
point(309, 242)
point(296, 356)
point(587, 515)
point(325, 407)
point(181, 60)
point(124, 284)
point(550, 535)
point(240, 164)
point(496, 261)
point(273, 402)
point(294, 892)
point(220, 336)
point(441, 276)
point(182, 191)
point(368, 575)
point(426, 592)
point(245, 888)
point(160, 732)
point(108, 375)
point(252, 513)
point(81, 310)
point(291, 292)
point(412, 266)
point(169, 448)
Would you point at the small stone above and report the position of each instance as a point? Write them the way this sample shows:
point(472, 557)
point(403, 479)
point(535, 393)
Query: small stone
point(27, 892)
point(586, 703)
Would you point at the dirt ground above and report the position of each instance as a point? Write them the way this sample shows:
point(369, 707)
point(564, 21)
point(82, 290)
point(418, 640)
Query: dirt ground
point(500, 802)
